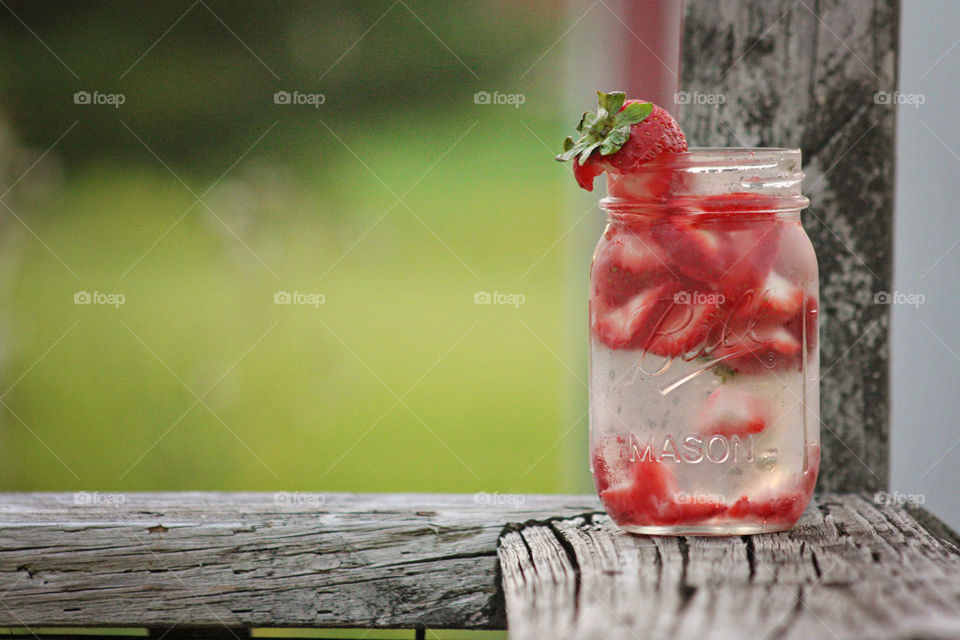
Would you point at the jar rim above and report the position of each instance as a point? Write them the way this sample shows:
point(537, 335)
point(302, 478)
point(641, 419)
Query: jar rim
point(772, 172)
point(734, 157)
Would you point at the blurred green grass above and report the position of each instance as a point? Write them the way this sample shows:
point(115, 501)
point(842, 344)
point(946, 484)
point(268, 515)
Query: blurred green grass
point(297, 397)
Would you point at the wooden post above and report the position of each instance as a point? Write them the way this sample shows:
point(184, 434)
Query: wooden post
point(807, 74)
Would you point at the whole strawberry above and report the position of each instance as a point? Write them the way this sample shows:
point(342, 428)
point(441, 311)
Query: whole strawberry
point(621, 136)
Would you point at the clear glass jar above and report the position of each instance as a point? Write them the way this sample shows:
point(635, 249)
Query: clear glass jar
point(704, 399)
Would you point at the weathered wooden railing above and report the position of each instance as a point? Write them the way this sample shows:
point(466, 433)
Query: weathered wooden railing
point(214, 564)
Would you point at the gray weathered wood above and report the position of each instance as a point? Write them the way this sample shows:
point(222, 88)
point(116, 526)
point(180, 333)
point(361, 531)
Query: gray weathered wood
point(850, 569)
point(333, 560)
point(555, 564)
point(804, 74)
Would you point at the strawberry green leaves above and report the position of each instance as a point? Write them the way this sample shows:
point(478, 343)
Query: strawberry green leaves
point(607, 130)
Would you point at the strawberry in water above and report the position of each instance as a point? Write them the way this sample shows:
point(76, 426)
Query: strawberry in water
point(647, 492)
point(642, 491)
point(699, 251)
point(610, 460)
point(777, 300)
point(637, 253)
point(623, 326)
point(785, 507)
point(732, 411)
point(623, 265)
point(731, 257)
point(754, 348)
point(681, 328)
point(620, 137)
point(653, 181)
point(650, 498)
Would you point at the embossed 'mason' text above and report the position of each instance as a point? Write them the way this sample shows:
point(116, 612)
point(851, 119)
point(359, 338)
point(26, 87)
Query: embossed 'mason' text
point(693, 449)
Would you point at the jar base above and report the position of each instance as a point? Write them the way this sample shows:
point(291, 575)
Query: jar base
point(728, 529)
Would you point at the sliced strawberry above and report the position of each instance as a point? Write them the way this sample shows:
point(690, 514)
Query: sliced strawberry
point(637, 253)
point(750, 249)
point(618, 327)
point(780, 300)
point(730, 256)
point(624, 264)
point(652, 183)
point(691, 512)
point(762, 348)
point(610, 460)
point(640, 499)
point(732, 411)
point(650, 498)
point(722, 205)
point(776, 300)
point(782, 508)
point(696, 250)
point(681, 328)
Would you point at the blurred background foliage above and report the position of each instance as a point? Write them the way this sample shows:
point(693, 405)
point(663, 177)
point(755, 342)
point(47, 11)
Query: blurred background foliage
point(199, 198)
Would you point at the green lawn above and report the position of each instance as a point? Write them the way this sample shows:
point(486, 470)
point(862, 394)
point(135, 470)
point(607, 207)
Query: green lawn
point(298, 397)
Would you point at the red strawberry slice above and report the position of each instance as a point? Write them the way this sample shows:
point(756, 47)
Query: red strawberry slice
point(681, 328)
point(637, 254)
point(727, 205)
point(776, 300)
point(691, 511)
point(697, 251)
point(651, 182)
point(783, 508)
point(643, 496)
point(732, 411)
point(650, 498)
point(610, 460)
point(761, 349)
point(780, 300)
point(732, 256)
point(617, 327)
point(624, 264)
point(750, 250)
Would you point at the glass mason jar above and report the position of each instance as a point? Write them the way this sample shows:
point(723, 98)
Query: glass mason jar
point(704, 398)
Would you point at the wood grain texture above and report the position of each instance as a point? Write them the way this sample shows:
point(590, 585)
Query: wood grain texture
point(554, 564)
point(850, 569)
point(258, 560)
point(805, 73)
